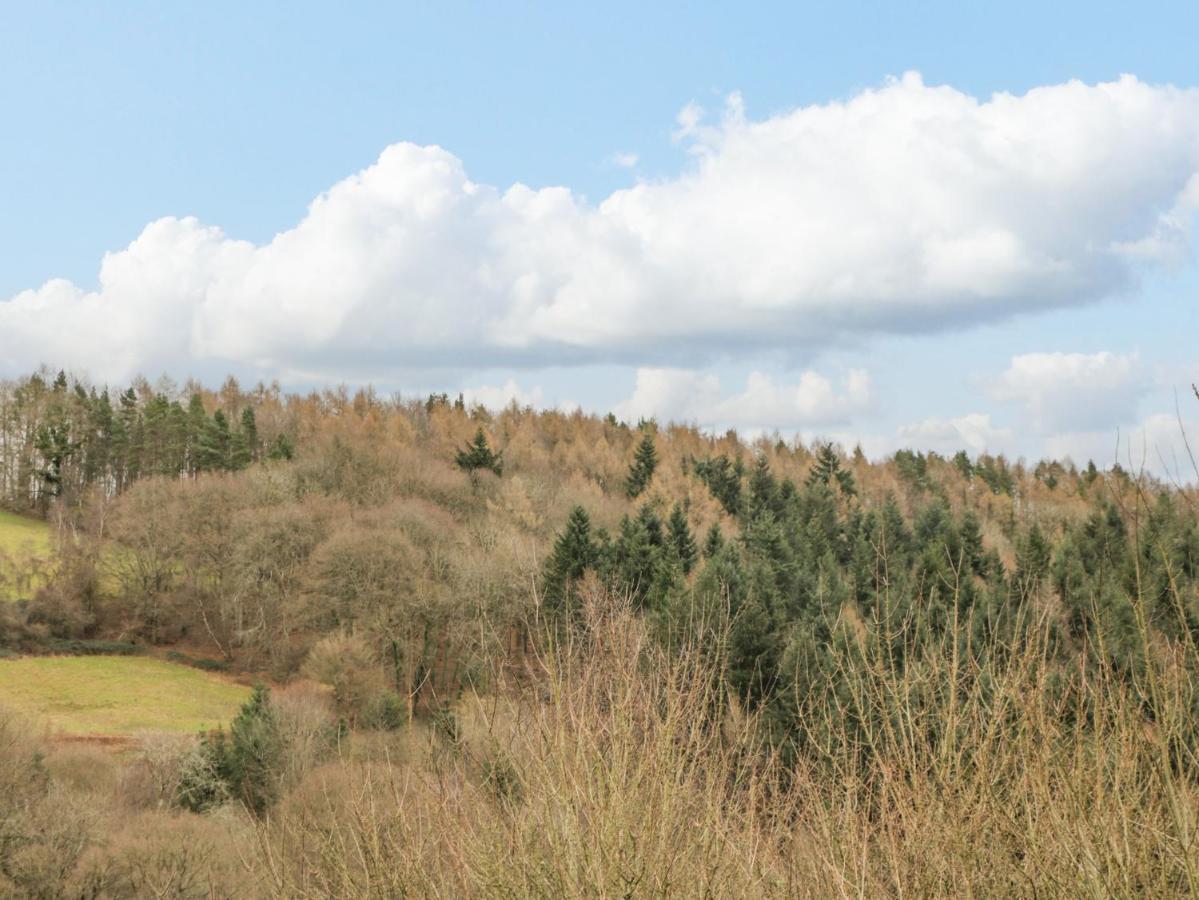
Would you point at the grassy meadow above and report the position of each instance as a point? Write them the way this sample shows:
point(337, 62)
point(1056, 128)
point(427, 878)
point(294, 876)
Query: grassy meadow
point(116, 695)
point(24, 542)
point(20, 534)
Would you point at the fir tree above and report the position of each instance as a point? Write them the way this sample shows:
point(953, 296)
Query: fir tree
point(641, 473)
point(714, 541)
point(827, 470)
point(281, 448)
point(574, 553)
point(254, 752)
point(479, 455)
point(249, 434)
point(682, 540)
point(723, 480)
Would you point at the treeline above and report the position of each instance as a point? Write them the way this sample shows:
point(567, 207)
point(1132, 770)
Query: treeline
point(59, 436)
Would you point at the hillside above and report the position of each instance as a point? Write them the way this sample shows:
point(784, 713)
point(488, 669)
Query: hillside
point(521, 648)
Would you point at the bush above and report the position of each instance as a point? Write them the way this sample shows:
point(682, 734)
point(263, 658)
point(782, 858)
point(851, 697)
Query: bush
point(79, 647)
point(202, 663)
point(345, 663)
point(387, 712)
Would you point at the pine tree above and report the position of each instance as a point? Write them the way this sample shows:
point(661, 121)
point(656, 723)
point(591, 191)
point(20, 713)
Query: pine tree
point(641, 473)
point(682, 540)
point(127, 440)
point(478, 455)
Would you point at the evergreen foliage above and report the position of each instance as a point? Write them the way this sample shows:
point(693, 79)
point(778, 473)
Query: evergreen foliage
point(645, 461)
point(827, 470)
point(60, 438)
point(244, 764)
point(479, 455)
point(723, 478)
point(575, 551)
point(682, 540)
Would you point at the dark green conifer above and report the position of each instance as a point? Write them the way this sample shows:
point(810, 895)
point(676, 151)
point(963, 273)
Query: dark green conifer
point(641, 473)
point(479, 455)
point(682, 539)
point(574, 553)
point(827, 470)
point(714, 541)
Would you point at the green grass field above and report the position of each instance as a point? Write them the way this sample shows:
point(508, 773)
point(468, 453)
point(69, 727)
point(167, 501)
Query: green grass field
point(116, 695)
point(20, 539)
point(19, 534)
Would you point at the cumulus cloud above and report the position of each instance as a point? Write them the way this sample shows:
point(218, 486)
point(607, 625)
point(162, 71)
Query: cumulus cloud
point(974, 432)
point(1061, 392)
point(764, 404)
point(905, 208)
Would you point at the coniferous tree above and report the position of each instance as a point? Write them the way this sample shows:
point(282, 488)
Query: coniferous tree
point(249, 433)
point(714, 541)
point(682, 539)
point(213, 444)
point(254, 752)
point(281, 448)
point(479, 455)
point(575, 551)
point(641, 473)
point(723, 479)
point(827, 470)
point(197, 435)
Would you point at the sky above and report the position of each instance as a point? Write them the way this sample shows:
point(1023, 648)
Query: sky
point(937, 226)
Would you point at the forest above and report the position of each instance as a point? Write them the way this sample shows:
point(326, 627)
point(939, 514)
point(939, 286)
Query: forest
point(531, 653)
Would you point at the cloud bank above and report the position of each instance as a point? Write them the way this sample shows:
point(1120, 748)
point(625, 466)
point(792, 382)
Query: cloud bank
point(904, 208)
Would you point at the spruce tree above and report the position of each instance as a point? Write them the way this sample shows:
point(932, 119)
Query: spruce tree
point(249, 434)
point(641, 473)
point(714, 541)
point(574, 553)
point(827, 470)
point(682, 540)
point(254, 752)
point(479, 455)
point(281, 448)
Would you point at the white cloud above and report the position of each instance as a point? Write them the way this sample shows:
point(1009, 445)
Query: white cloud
point(1155, 443)
point(496, 398)
point(624, 160)
point(764, 404)
point(1073, 391)
point(904, 208)
point(973, 432)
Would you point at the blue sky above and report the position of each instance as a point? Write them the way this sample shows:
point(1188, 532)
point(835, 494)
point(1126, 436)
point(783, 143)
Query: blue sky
point(239, 115)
